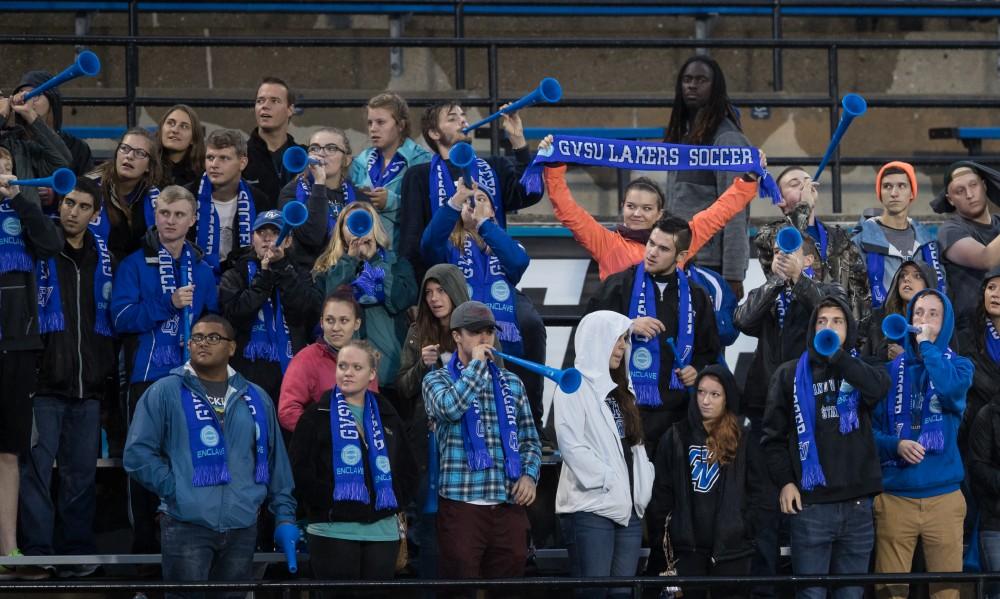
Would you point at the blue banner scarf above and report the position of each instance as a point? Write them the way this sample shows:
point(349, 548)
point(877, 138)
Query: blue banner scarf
point(209, 236)
point(474, 434)
point(348, 471)
point(369, 285)
point(303, 189)
point(819, 235)
point(50, 311)
point(167, 342)
point(14, 254)
point(101, 226)
point(804, 404)
point(875, 262)
point(784, 299)
point(208, 445)
point(992, 341)
point(648, 156)
point(269, 338)
point(380, 177)
point(644, 367)
point(488, 284)
point(442, 186)
point(901, 413)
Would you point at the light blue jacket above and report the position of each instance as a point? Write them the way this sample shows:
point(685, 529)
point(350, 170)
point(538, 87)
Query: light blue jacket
point(413, 154)
point(870, 238)
point(158, 456)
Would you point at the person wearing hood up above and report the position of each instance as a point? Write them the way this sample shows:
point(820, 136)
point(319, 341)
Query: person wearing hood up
point(981, 344)
point(911, 277)
point(916, 431)
point(970, 238)
point(606, 478)
point(821, 452)
point(709, 478)
point(48, 106)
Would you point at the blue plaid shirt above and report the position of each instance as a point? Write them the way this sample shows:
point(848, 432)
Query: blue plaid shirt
point(446, 402)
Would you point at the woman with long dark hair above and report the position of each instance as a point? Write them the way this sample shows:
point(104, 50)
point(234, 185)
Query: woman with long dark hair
point(606, 477)
point(182, 145)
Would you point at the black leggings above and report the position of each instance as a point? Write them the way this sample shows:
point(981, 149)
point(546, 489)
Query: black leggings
point(337, 559)
point(699, 564)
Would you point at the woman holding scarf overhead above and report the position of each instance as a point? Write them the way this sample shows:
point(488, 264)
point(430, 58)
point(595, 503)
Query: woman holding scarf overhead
point(129, 189)
point(606, 478)
point(324, 188)
point(271, 303)
point(354, 472)
point(382, 281)
point(378, 171)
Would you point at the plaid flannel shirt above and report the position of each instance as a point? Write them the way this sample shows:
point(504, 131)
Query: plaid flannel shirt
point(446, 402)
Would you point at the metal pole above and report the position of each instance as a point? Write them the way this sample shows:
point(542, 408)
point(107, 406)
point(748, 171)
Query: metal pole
point(460, 51)
point(494, 92)
point(132, 64)
point(834, 81)
point(778, 79)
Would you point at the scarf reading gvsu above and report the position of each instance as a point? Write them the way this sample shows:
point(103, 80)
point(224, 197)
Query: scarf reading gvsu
point(50, 309)
point(487, 283)
point(648, 156)
point(303, 189)
point(208, 444)
point(644, 367)
point(474, 433)
point(348, 470)
point(442, 186)
point(210, 229)
point(269, 338)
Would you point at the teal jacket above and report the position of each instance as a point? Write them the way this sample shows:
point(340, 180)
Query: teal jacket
point(384, 325)
point(158, 456)
point(414, 155)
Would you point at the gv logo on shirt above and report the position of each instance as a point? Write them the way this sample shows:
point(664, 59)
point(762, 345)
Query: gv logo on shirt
point(703, 474)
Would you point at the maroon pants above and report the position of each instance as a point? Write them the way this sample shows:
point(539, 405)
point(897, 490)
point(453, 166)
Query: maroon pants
point(481, 541)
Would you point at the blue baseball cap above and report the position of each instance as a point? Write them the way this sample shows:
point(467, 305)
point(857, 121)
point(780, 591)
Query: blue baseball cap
point(271, 218)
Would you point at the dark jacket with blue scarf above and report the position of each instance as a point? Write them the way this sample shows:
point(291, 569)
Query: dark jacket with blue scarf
point(261, 203)
point(77, 361)
point(758, 317)
point(311, 454)
point(263, 171)
point(311, 237)
point(938, 473)
point(616, 295)
point(241, 298)
point(19, 290)
point(138, 304)
point(740, 484)
point(850, 462)
point(158, 456)
point(984, 464)
point(416, 197)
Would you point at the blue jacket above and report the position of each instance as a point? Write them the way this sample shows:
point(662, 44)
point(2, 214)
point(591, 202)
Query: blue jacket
point(723, 301)
point(138, 305)
point(158, 456)
point(870, 238)
point(938, 473)
point(414, 155)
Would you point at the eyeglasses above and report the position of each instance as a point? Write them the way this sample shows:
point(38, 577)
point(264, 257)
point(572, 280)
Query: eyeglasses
point(125, 150)
point(211, 338)
point(327, 149)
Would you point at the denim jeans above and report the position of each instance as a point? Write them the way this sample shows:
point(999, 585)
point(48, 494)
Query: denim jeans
point(599, 547)
point(195, 553)
point(832, 538)
point(67, 431)
point(989, 558)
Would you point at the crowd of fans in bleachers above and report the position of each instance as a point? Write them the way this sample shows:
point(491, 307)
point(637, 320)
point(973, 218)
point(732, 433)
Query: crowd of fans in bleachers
point(373, 357)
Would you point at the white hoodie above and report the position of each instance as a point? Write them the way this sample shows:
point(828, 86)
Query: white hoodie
point(594, 477)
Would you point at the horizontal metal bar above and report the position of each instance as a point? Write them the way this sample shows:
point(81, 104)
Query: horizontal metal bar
point(121, 559)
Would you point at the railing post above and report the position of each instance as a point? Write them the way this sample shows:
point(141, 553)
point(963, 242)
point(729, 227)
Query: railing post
point(460, 50)
point(494, 98)
point(132, 63)
point(778, 80)
point(834, 82)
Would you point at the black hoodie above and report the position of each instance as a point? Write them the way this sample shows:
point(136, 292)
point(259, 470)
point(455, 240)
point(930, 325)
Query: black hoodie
point(850, 462)
point(715, 518)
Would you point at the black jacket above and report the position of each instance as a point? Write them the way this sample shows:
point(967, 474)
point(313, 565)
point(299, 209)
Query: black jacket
point(984, 464)
point(850, 462)
point(261, 203)
point(77, 361)
point(262, 171)
point(240, 300)
point(311, 456)
point(740, 491)
point(19, 290)
point(616, 294)
point(415, 210)
point(758, 317)
point(311, 237)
